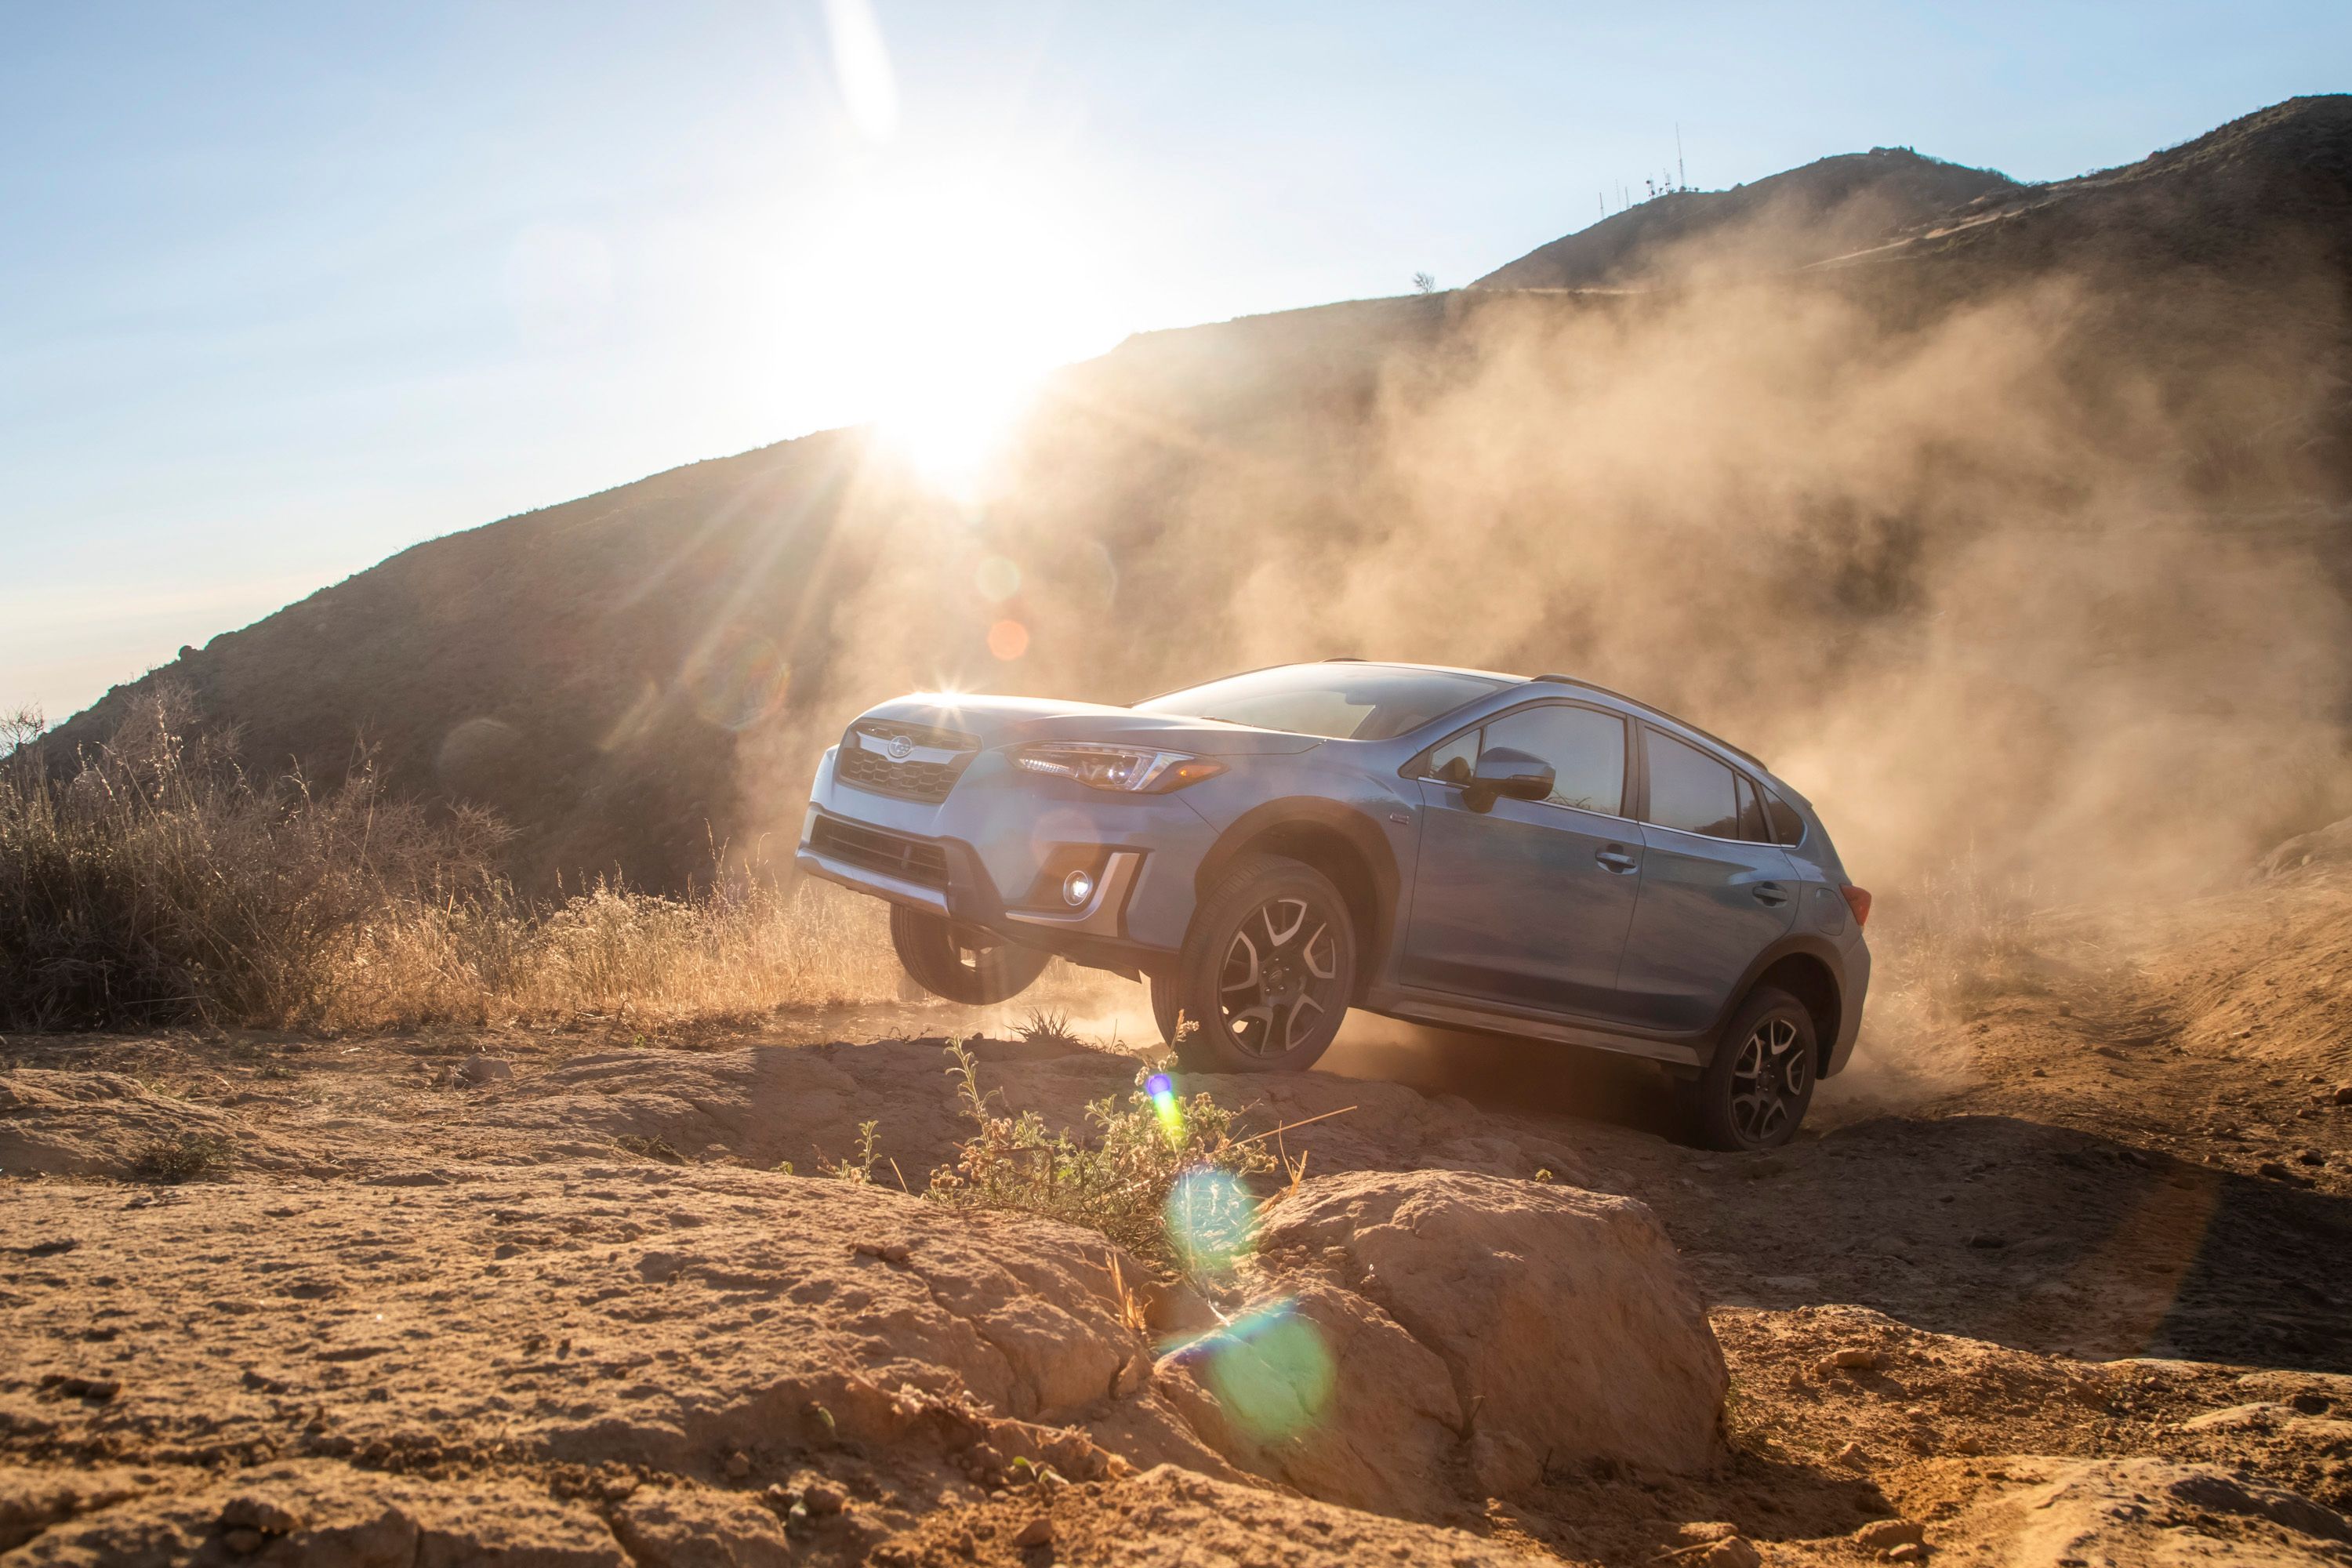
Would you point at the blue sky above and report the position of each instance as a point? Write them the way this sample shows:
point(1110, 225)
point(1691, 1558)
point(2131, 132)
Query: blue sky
point(287, 288)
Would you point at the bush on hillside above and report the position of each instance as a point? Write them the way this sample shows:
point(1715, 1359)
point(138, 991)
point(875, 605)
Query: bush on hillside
point(152, 881)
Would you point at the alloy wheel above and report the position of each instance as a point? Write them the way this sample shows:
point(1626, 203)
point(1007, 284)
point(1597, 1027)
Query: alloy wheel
point(1768, 1081)
point(1280, 977)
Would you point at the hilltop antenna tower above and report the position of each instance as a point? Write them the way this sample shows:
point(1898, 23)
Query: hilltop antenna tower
point(1682, 181)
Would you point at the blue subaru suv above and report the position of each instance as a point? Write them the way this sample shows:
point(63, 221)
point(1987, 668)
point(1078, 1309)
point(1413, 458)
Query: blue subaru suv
point(1543, 858)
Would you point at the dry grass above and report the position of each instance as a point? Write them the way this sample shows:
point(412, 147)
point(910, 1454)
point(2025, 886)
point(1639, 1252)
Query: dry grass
point(1956, 937)
point(152, 880)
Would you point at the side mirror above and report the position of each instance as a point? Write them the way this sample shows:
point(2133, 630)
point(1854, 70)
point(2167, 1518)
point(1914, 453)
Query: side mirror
point(1504, 775)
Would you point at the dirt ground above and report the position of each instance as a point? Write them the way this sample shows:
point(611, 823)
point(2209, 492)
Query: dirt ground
point(2061, 1274)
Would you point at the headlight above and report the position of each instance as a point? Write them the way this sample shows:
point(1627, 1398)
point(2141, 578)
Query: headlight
point(1124, 769)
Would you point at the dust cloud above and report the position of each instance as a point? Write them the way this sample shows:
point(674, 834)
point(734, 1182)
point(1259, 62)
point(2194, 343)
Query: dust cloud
point(2033, 590)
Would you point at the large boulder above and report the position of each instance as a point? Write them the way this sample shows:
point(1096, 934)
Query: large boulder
point(1415, 1337)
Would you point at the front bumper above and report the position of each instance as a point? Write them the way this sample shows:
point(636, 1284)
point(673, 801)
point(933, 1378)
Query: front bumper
point(992, 855)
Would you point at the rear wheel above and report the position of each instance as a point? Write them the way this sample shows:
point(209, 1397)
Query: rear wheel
point(962, 963)
point(1755, 1092)
point(1266, 971)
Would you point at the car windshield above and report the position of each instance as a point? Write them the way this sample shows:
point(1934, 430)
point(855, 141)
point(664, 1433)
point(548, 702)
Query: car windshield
point(1340, 701)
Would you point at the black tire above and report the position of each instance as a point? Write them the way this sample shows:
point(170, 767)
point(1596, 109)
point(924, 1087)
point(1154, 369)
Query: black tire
point(1753, 1093)
point(962, 963)
point(1266, 974)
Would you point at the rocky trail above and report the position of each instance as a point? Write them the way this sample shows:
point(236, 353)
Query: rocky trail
point(2062, 1276)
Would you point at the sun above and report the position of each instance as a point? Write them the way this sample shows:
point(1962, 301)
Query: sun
point(940, 303)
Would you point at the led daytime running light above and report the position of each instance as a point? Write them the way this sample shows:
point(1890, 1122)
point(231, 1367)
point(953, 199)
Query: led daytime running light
point(1126, 769)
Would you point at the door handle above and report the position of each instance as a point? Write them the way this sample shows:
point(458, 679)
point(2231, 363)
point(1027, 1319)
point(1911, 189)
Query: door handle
point(1615, 859)
point(1770, 893)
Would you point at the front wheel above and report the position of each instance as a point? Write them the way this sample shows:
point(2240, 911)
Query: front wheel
point(962, 963)
point(1753, 1093)
point(1266, 971)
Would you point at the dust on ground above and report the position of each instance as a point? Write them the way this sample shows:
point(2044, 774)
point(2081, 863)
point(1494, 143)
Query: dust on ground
point(2085, 1258)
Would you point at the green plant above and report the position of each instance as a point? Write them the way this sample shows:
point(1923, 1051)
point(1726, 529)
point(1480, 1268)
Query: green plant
point(860, 1170)
point(1160, 1176)
point(191, 1159)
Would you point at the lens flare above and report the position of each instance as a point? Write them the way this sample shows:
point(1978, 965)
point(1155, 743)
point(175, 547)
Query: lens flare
point(1212, 1219)
point(1008, 640)
point(736, 680)
point(1269, 1368)
point(998, 579)
point(1161, 1091)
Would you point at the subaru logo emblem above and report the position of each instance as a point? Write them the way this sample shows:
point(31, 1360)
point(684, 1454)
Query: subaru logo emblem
point(901, 748)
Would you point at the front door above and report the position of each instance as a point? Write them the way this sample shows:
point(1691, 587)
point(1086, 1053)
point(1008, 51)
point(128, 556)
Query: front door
point(1527, 902)
point(1715, 893)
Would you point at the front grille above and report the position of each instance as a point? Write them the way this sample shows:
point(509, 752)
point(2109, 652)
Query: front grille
point(916, 859)
point(933, 760)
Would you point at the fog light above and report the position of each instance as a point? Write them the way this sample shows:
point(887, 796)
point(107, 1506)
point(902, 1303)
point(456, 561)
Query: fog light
point(1077, 888)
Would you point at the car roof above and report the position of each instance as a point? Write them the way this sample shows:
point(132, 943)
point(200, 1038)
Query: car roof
point(1648, 710)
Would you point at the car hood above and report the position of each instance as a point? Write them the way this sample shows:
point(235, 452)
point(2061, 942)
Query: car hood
point(1007, 720)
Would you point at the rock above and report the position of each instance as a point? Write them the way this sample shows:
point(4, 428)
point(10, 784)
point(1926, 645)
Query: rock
point(244, 1541)
point(2055, 1511)
point(1851, 1456)
point(738, 1465)
point(250, 1512)
point(1909, 1551)
point(704, 1311)
point(2273, 1169)
point(1038, 1532)
point(485, 1070)
point(1851, 1358)
point(1881, 1534)
point(823, 1498)
point(2311, 1157)
point(1547, 1325)
point(689, 1527)
point(1731, 1552)
point(2344, 1094)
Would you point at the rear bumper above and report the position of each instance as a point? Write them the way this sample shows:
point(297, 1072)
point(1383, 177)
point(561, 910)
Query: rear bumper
point(992, 854)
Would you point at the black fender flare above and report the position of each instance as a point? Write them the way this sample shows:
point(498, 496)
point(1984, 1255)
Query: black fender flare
point(1354, 826)
point(1806, 944)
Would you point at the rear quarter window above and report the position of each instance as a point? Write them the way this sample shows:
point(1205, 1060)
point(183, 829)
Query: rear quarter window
point(1690, 791)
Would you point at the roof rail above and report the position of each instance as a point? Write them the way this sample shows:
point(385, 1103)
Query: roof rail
point(1594, 686)
point(1343, 658)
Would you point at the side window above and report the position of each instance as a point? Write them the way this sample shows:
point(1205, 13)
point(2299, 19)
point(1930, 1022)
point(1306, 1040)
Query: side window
point(1788, 827)
point(1753, 828)
point(1586, 749)
point(1690, 789)
point(1452, 762)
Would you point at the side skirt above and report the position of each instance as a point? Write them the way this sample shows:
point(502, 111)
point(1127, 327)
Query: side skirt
point(1456, 1013)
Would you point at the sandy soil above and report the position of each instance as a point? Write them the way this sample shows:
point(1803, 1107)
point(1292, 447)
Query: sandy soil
point(2063, 1276)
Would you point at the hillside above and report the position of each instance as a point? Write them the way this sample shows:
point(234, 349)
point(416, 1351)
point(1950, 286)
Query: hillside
point(1828, 208)
point(2061, 479)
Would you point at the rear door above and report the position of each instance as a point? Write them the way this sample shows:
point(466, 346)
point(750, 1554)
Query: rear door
point(1714, 890)
point(1527, 902)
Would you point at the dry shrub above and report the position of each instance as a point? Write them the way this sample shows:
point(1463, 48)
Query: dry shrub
point(154, 882)
point(1169, 1186)
point(1956, 936)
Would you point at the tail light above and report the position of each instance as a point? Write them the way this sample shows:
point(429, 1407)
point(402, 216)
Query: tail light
point(1858, 902)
